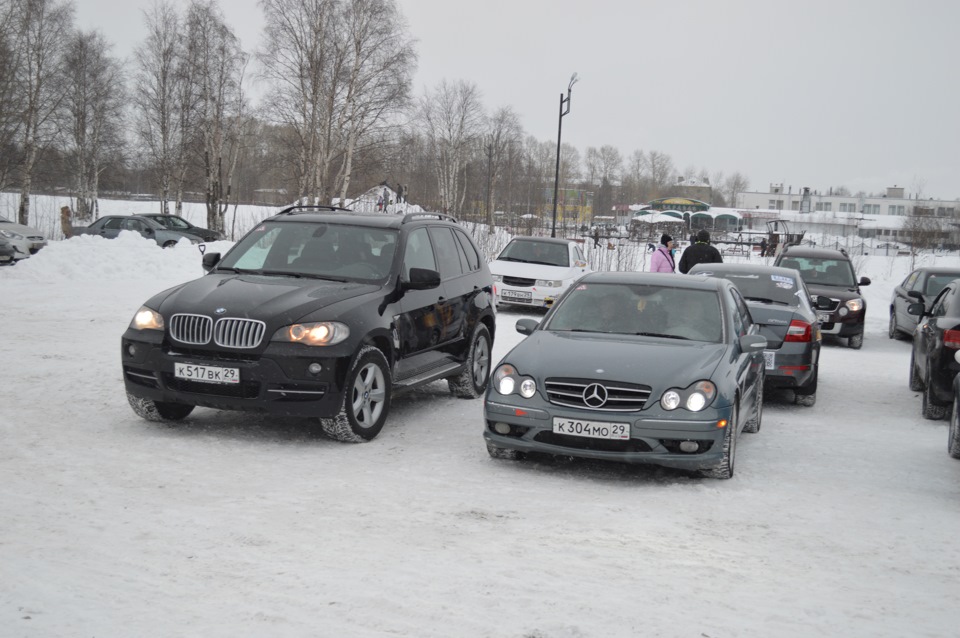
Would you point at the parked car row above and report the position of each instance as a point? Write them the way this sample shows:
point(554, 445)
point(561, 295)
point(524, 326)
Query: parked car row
point(18, 241)
point(110, 226)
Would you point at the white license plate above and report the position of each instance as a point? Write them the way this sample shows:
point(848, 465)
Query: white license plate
point(769, 360)
point(206, 374)
point(591, 429)
point(824, 317)
point(516, 295)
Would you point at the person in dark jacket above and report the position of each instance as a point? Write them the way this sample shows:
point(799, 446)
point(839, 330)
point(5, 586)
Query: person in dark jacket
point(699, 253)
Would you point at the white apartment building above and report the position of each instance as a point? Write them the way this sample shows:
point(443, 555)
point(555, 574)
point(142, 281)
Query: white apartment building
point(894, 202)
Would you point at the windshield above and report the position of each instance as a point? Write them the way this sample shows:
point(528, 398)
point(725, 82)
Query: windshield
point(634, 309)
point(768, 288)
point(823, 272)
point(536, 252)
point(325, 251)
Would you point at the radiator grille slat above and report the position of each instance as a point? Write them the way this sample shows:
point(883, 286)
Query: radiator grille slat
point(228, 332)
point(620, 396)
point(192, 329)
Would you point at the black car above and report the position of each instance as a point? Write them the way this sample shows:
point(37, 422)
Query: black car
point(781, 305)
point(7, 252)
point(829, 272)
point(318, 312)
point(922, 285)
point(935, 343)
point(175, 222)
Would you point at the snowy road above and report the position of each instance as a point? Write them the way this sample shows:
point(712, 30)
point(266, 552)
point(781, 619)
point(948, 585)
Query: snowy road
point(842, 519)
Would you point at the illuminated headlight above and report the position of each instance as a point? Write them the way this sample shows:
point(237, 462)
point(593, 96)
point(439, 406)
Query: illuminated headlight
point(528, 388)
point(147, 319)
point(694, 398)
point(549, 283)
point(855, 305)
point(321, 333)
point(9, 234)
point(507, 380)
point(670, 400)
point(497, 279)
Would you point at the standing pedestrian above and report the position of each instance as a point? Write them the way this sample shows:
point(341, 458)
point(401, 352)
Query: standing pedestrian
point(662, 260)
point(700, 252)
point(763, 247)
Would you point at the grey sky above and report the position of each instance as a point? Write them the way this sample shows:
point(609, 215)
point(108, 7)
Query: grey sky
point(857, 93)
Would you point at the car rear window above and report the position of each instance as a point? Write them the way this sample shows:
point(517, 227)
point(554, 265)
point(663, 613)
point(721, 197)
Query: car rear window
point(766, 287)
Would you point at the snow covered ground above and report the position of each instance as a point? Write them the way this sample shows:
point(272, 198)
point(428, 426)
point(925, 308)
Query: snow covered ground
point(842, 519)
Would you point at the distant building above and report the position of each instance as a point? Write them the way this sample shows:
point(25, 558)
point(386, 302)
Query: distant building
point(892, 203)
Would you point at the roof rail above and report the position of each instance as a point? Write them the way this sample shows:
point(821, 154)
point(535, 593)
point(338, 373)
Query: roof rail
point(313, 208)
point(411, 216)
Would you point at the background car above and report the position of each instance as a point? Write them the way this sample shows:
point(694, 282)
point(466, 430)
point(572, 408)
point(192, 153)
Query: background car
point(922, 285)
point(830, 273)
point(320, 314)
point(175, 222)
point(780, 305)
point(933, 365)
point(632, 367)
point(26, 239)
point(535, 271)
point(110, 226)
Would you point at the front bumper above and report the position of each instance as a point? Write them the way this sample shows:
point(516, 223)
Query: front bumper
point(654, 438)
point(274, 382)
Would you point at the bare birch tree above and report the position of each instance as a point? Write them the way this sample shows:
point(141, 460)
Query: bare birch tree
point(503, 131)
point(94, 105)
point(11, 116)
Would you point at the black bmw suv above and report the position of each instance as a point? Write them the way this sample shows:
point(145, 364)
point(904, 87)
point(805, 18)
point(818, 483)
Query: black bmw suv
point(318, 312)
point(829, 272)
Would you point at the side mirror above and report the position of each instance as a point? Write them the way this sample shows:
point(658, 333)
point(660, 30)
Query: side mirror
point(917, 309)
point(210, 260)
point(915, 294)
point(422, 279)
point(864, 281)
point(753, 343)
point(823, 303)
point(527, 325)
point(149, 231)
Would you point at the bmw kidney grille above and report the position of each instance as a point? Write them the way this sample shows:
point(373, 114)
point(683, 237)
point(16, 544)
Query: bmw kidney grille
point(226, 332)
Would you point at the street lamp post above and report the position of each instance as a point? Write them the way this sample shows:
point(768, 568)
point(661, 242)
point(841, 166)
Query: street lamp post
point(564, 102)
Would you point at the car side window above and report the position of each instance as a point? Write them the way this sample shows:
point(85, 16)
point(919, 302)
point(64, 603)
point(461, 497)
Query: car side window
point(113, 224)
point(131, 224)
point(418, 252)
point(742, 317)
point(448, 255)
point(579, 253)
point(911, 281)
point(469, 252)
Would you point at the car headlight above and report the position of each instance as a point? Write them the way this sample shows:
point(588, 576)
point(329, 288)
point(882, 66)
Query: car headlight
point(497, 279)
point(147, 319)
point(320, 333)
point(549, 283)
point(855, 305)
point(9, 234)
point(506, 380)
point(694, 398)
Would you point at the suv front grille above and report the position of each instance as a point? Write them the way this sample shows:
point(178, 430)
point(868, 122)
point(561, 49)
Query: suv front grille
point(522, 282)
point(834, 304)
point(198, 330)
point(620, 397)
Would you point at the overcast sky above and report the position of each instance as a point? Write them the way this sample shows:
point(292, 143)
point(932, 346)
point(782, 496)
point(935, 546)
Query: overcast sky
point(859, 93)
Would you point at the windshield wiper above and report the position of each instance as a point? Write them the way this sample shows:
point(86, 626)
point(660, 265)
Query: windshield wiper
point(659, 334)
point(766, 300)
point(276, 273)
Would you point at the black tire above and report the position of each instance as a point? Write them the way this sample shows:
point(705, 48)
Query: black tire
point(753, 425)
point(366, 399)
point(169, 244)
point(502, 453)
point(929, 407)
point(893, 331)
point(472, 381)
point(855, 342)
point(158, 410)
point(916, 384)
point(953, 438)
point(724, 470)
point(807, 395)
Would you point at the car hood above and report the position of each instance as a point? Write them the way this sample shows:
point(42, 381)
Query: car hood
point(274, 300)
point(837, 292)
point(27, 231)
point(658, 363)
point(532, 271)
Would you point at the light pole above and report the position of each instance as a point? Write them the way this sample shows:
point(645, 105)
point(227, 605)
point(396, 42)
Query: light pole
point(564, 101)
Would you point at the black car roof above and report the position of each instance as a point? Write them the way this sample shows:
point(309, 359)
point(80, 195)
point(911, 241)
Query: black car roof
point(760, 269)
point(334, 215)
point(818, 253)
point(937, 270)
point(656, 279)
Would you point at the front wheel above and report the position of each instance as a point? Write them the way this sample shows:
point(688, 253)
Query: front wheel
point(472, 381)
point(916, 384)
point(169, 244)
point(856, 341)
point(366, 399)
point(724, 470)
point(893, 331)
point(753, 425)
point(158, 410)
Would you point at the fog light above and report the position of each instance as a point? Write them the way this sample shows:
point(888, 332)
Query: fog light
point(501, 428)
point(843, 311)
point(131, 349)
point(314, 368)
point(689, 446)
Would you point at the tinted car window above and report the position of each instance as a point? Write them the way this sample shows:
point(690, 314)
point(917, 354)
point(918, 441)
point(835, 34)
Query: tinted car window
point(911, 280)
point(473, 259)
point(419, 253)
point(448, 255)
point(779, 289)
point(936, 283)
point(113, 223)
point(536, 252)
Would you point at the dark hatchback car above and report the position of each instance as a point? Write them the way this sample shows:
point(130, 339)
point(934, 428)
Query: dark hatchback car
point(922, 285)
point(175, 222)
point(632, 367)
point(318, 312)
point(111, 226)
point(935, 343)
point(780, 304)
point(830, 273)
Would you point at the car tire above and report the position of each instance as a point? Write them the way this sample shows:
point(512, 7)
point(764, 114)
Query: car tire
point(472, 381)
point(807, 395)
point(953, 438)
point(366, 399)
point(753, 425)
point(915, 383)
point(893, 331)
point(928, 405)
point(169, 244)
point(158, 410)
point(502, 453)
point(856, 341)
point(724, 470)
